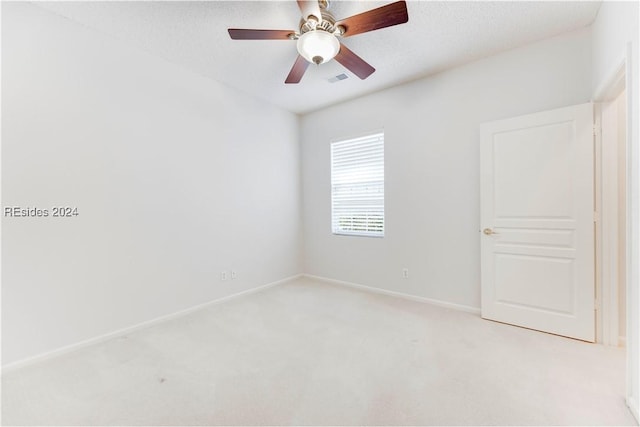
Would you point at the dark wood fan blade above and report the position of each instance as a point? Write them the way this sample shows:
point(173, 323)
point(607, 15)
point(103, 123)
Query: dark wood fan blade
point(297, 71)
point(375, 19)
point(310, 7)
point(244, 34)
point(354, 63)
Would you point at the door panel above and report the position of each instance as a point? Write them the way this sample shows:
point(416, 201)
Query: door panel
point(548, 285)
point(537, 217)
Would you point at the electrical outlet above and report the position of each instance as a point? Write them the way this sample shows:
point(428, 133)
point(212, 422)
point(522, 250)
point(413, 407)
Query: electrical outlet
point(234, 275)
point(405, 273)
point(223, 275)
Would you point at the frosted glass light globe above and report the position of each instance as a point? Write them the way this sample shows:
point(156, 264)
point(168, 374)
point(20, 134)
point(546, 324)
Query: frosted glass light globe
point(318, 46)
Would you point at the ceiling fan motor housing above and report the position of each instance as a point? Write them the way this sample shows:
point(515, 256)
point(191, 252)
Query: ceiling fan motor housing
point(327, 24)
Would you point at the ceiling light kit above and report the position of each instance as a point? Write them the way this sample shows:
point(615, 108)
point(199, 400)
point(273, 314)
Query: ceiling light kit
point(318, 46)
point(319, 32)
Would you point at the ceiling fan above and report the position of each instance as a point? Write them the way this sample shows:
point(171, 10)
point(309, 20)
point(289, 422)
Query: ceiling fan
point(317, 37)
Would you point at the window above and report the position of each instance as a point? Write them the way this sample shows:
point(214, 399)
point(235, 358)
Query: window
point(357, 186)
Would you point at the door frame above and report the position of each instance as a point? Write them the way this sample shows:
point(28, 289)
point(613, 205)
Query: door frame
point(606, 224)
point(621, 74)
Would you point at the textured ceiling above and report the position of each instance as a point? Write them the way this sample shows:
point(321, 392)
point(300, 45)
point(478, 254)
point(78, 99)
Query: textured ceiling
point(439, 35)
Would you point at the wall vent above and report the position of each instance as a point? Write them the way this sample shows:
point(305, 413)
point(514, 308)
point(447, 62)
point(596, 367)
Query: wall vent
point(338, 78)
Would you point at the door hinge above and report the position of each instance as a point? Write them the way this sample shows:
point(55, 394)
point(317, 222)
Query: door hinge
point(596, 217)
point(596, 130)
point(596, 305)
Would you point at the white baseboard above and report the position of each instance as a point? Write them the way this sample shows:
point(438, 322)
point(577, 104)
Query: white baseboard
point(633, 408)
point(128, 330)
point(439, 303)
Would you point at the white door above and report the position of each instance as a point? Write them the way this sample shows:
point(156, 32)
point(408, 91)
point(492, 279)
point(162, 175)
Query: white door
point(537, 221)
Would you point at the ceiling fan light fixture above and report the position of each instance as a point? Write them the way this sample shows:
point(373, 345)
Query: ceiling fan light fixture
point(318, 46)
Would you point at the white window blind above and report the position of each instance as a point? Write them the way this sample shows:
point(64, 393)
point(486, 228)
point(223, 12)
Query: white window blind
point(357, 186)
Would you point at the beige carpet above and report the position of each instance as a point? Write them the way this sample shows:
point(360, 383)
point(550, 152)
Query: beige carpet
point(307, 352)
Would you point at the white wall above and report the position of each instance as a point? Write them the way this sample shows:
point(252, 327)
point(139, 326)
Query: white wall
point(614, 31)
point(432, 166)
point(175, 178)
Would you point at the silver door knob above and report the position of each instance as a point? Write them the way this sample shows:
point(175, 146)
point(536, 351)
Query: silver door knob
point(488, 231)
